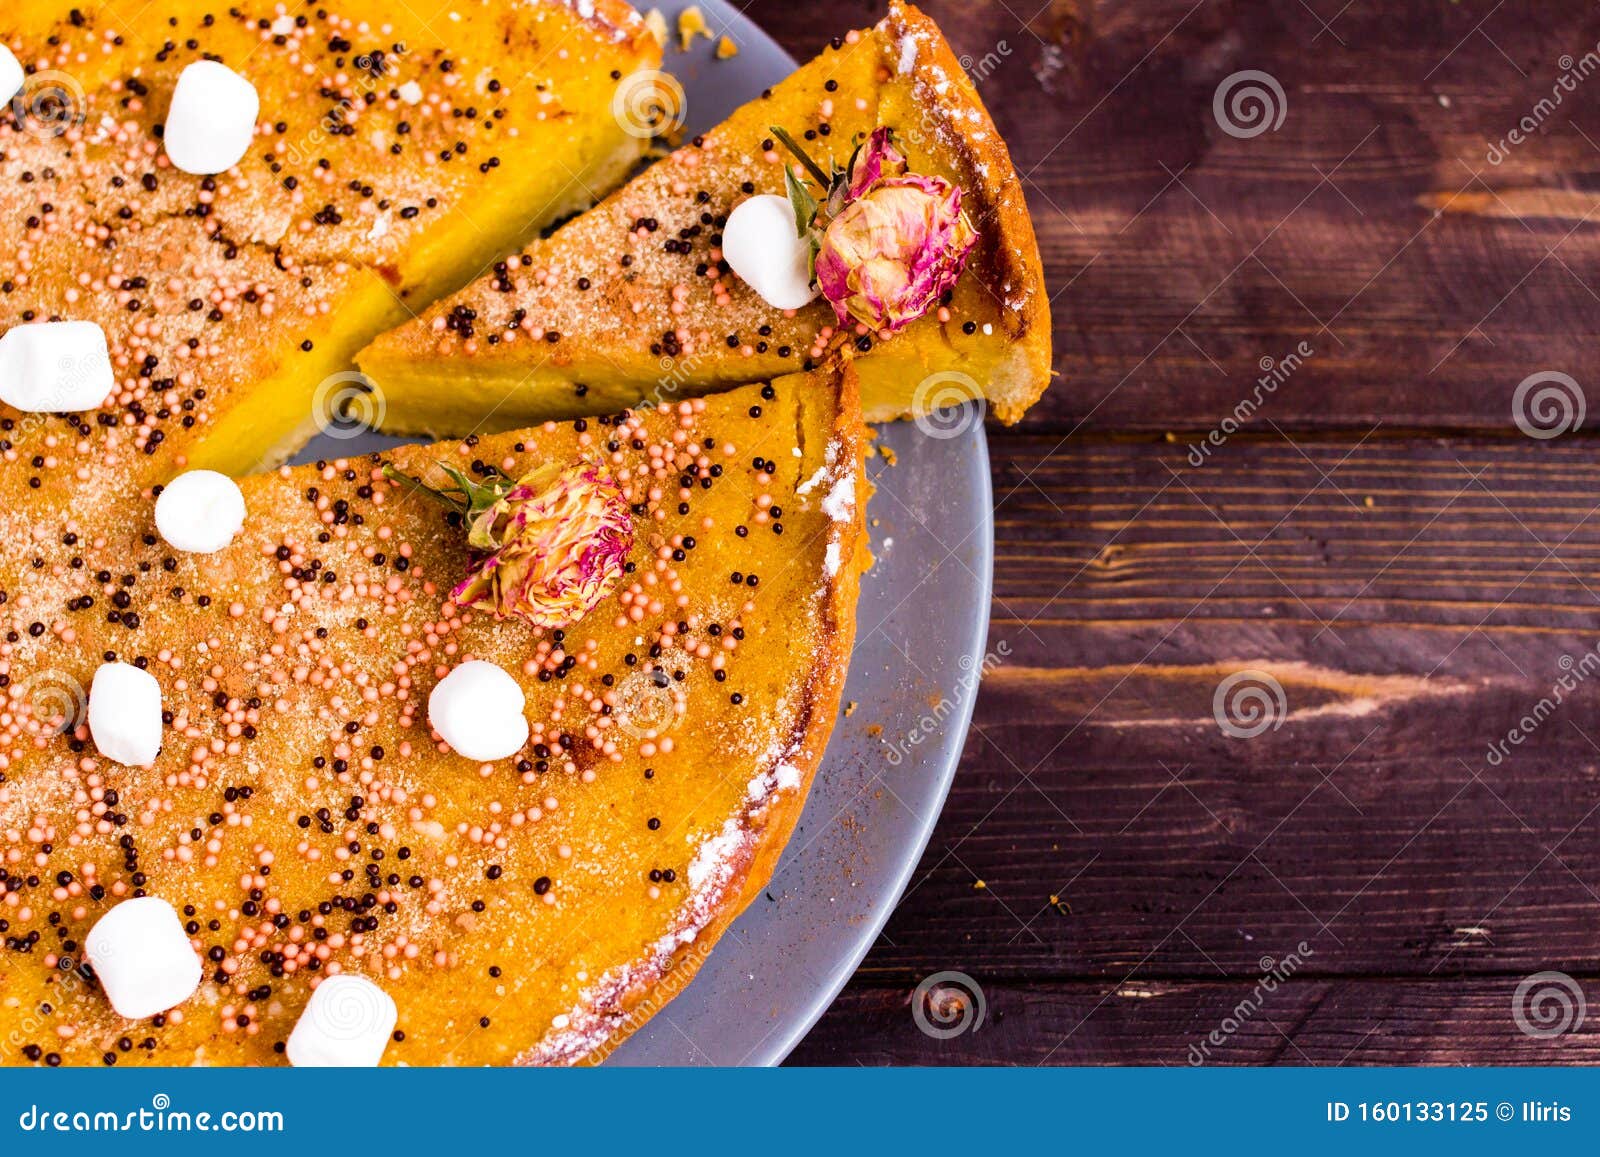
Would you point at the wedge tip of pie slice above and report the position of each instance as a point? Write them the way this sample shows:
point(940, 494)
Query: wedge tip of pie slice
point(399, 150)
point(629, 301)
point(303, 819)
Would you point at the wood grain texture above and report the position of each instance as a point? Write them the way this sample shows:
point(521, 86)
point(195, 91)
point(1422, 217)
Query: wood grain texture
point(1312, 1022)
point(1414, 600)
point(1377, 538)
point(1372, 223)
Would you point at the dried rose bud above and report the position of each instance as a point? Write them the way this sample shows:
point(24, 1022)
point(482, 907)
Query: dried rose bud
point(877, 160)
point(556, 543)
point(893, 249)
point(886, 242)
point(547, 547)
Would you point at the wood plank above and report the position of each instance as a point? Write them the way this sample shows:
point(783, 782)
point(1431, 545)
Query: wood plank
point(1301, 538)
point(1304, 1022)
point(1112, 865)
point(1374, 224)
point(1115, 826)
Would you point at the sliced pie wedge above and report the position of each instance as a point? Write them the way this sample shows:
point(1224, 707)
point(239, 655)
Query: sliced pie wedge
point(630, 300)
point(303, 822)
point(399, 149)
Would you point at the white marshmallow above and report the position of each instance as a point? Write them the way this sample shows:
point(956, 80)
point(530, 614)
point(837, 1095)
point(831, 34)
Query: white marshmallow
point(125, 714)
point(11, 74)
point(346, 1024)
point(200, 511)
point(411, 92)
point(211, 120)
point(759, 242)
point(478, 710)
point(143, 957)
point(51, 367)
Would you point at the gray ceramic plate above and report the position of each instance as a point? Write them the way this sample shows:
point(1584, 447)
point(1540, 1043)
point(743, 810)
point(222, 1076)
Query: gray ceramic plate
point(923, 621)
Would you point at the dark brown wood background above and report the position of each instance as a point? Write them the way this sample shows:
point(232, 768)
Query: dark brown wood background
point(1381, 539)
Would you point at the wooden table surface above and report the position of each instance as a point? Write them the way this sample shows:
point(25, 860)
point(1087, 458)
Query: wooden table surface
point(1393, 549)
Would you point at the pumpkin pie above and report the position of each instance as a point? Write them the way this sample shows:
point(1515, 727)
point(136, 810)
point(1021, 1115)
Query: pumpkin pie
point(634, 299)
point(399, 149)
point(306, 817)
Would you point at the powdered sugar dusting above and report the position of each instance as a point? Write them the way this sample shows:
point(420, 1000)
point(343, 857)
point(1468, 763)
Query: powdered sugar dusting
point(630, 20)
point(814, 481)
point(908, 54)
point(713, 863)
point(840, 505)
point(712, 874)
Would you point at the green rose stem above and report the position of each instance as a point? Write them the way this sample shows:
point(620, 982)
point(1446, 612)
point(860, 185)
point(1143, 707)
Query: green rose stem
point(817, 175)
point(470, 498)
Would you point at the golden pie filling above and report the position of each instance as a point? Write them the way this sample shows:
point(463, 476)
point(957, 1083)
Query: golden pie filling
point(400, 149)
point(469, 753)
point(304, 818)
point(633, 300)
point(300, 817)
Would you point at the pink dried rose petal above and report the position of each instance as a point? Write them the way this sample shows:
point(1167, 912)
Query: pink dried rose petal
point(878, 159)
point(889, 255)
point(557, 543)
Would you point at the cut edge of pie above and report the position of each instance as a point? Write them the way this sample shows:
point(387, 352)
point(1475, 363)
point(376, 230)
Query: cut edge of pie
point(740, 864)
point(604, 950)
point(560, 330)
point(374, 184)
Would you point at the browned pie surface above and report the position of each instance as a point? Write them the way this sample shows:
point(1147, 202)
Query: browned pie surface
point(302, 819)
point(400, 148)
point(632, 299)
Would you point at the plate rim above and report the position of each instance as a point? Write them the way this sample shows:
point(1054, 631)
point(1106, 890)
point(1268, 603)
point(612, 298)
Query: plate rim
point(792, 1026)
point(785, 1037)
point(769, 1055)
